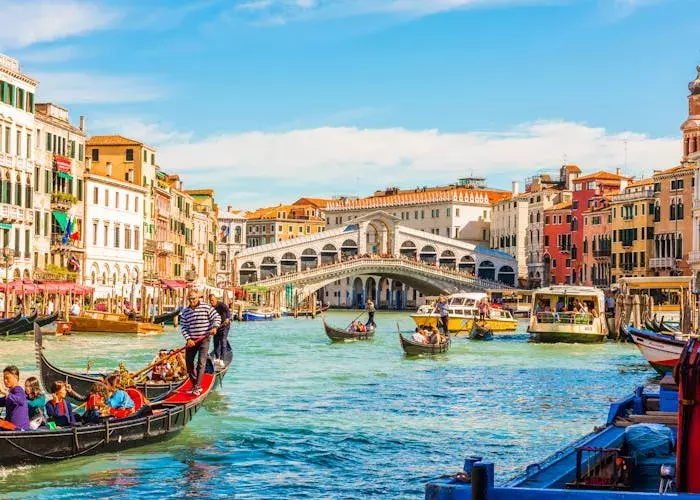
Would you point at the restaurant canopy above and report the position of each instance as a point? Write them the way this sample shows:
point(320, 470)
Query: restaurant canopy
point(52, 287)
point(174, 284)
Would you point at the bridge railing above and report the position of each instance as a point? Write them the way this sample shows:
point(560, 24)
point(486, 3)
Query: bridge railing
point(453, 274)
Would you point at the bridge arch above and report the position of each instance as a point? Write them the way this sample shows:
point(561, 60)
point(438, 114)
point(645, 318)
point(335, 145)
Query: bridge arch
point(288, 263)
point(506, 275)
point(370, 290)
point(358, 288)
point(428, 254)
point(329, 254)
point(349, 249)
point(408, 249)
point(448, 259)
point(268, 267)
point(309, 259)
point(467, 264)
point(249, 272)
point(487, 270)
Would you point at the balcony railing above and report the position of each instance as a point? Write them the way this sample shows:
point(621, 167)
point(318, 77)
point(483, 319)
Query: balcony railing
point(62, 201)
point(149, 246)
point(647, 194)
point(627, 266)
point(662, 263)
point(601, 253)
point(165, 247)
point(57, 243)
point(11, 213)
point(694, 257)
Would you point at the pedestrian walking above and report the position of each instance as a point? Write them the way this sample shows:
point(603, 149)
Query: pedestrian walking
point(199, 321)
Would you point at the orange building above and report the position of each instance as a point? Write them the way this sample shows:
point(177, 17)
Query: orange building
point(283, 222)
point(557, 239)
point(597, 243)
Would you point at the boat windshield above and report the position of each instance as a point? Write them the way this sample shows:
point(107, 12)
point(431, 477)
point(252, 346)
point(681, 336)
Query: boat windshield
point(457, 301)
point(569, 318)
point(661, 296)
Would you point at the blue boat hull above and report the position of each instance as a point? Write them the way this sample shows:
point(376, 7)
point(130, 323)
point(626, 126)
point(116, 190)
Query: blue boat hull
point(252, 316)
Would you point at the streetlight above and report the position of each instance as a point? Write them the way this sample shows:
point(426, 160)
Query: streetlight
point(8, 256)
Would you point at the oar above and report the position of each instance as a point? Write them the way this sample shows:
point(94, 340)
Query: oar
point(163, 360)
point(354, 320)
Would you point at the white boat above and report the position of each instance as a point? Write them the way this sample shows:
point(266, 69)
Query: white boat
point(553, 320)
point(463, 309)
point(661, 351)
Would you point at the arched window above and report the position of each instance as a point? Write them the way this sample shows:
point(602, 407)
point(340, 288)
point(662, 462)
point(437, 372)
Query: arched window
point(657, 213)
point(585, 245)
point(574, 224)
point(672, 213)
point(538, 216)
point(679, 210)
point(679, 247)
point(222, 261)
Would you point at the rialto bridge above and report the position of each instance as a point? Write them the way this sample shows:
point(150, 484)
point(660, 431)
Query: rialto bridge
point(376, 245)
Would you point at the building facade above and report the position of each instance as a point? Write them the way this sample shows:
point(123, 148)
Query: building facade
point(673, 221)
point(59, 194)
point(509, 221)
point(632, 230)
point(557, 244)
point(114, 236)
point(282, 222)
point(17, 164)
point(230, 241)
point(204, 236)
point(597, 243)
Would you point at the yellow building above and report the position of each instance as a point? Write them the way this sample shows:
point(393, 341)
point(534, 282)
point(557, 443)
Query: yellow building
point(205, 235)
point(181, 226)
point(632, 230)
point(283, 222)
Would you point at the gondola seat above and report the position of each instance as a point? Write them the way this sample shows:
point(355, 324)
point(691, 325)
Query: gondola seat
point(137, 397)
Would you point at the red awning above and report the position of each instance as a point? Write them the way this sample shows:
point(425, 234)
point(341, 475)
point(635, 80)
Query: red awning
point(174, 284)
point(63, 164)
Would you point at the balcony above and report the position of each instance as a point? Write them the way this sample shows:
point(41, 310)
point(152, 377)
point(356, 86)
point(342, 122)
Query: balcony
point(191, 275)
point(165, 247)
point(149, 246)
point(694, 257)
point(11, 213)
point(29, 216)
point(662, 263)
point(57, 244)
point(627, 266)
point(601, 253)
point(62, 201)
point(647, 194)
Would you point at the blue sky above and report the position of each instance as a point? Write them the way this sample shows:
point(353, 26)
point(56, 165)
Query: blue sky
point(266, 100)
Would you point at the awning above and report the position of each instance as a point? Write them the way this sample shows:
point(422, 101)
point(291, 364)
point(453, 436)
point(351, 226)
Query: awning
point(174, 284)
point(65, 176)
point(4, 225)
point(63, 164)
point(61, 218)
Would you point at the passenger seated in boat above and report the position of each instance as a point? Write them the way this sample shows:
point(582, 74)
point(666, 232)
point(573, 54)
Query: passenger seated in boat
point(58, 409)
point(96, 406)
point(178, 368)
point(121, 405)
point(160, 369)
point(36, 402)
point(419, 336)
point(560, 306)
point(14, 400)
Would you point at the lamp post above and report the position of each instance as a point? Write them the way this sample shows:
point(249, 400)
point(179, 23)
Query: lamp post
point(8, 259)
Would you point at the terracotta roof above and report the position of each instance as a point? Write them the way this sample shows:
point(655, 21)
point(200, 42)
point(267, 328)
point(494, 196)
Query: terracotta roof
point(112, 140)
point(676, 169)
point(465, 195)
point(641, 182)
point(572, 168)
point(319, 202)
point(602, 175)
point(560, 206)
point(200, 192)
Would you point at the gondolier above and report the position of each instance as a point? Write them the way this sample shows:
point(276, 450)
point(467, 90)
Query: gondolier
point(221, 336)
point(199, 321)
point(370, 313)
point(443, 312)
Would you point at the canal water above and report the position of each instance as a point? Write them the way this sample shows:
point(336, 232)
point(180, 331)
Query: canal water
point(301, 417)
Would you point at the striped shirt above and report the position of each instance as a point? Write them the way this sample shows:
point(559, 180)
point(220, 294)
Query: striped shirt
point(196, 323)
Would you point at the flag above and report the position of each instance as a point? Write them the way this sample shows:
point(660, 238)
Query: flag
point(223, 235)
point(75, 236)
point(69, 230)
point(74, 263)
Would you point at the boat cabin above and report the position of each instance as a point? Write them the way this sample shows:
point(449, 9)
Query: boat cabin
point(557, 304)
point(666, 291)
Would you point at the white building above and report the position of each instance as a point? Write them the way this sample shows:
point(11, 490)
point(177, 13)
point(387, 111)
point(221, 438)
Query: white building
point(17, 139)
point(114, 236)
point(509, 221)
point(58, 189)
point(232, 231)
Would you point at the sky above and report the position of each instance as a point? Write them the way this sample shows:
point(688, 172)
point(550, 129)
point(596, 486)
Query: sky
point(269, 100)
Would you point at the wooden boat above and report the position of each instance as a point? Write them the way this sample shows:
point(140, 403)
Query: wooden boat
point(479, 332)
point(258, 316)
point(102, 322)
point(463, 309)
point(25, 325)
point(660, 350)
point(81, 382)
point(338, 335)
point(7, 322)
point(650, 326)
point(168, 418)
point(17, 327)
point(166, 317)
point(412, 348)
point(63, 327)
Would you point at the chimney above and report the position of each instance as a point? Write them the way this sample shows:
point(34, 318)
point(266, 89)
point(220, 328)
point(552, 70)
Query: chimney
point(228, 209)
point(109, 169)
point(618, 171)
point(82, 123)
point(515, 188)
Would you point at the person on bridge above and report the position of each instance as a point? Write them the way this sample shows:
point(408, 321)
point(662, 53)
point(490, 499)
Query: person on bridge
point(370, 312)
point(442, 310)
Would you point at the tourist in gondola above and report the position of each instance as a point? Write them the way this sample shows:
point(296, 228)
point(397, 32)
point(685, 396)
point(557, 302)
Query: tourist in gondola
point(370, 313)
point(14, 399)
point(36, 402)
point(96, 406)
point(419, 336)
point(120, 403)
point(443, 312)
point(199, 322)
point(221, 336)
point(58, 408)
point(161, 366)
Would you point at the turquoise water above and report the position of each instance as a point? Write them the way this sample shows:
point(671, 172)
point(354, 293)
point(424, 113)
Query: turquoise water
point(301, 417)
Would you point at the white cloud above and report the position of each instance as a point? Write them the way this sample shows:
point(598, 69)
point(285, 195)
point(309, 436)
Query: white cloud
point(91, 88)
point(27, 22)
point(338, 159)
point(150, 133)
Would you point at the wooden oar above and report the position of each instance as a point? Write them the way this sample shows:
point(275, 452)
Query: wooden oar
point(166, 358)
point(354, 320)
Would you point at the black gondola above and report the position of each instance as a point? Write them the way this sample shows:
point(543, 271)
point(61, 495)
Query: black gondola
point(162, 318)
point(666, 328)
point(25, 325)
point(479, 332)
point(650, 326)
point(5, 322)
point(20, 325)
point(80, 382)
point(411, 348)
point(338, 335)
point(168, 418)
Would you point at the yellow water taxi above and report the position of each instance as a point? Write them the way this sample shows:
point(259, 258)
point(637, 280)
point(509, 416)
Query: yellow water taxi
point(462, 311)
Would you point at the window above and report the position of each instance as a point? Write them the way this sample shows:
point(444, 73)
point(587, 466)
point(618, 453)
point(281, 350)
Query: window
point(546, 219)
point(574, 204)
point(137, 239)
point(106, 197)
point(153, 158)
point(37, 223)
point(116, 199)
point(127, 237)
point(117, 233)
point(29, 145)
point(568, 262)
point(129, 154)
point(546, 240)
point(80, 190)
point(81, 152)
point(106, 234)
point(95, 155)
point(95, 196)
point(94, 233)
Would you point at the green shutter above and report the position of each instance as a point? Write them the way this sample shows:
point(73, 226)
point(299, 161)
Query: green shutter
point(13, 96)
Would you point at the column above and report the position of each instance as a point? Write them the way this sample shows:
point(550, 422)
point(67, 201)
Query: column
point(403, 296)
point(390, 293)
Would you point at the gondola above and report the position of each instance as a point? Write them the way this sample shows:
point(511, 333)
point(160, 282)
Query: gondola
point(169, 316)
point(650, 326)
point(479, 332)
point(26, 325)
point(411, 348)
point(21, 325)
point(6, 322)
point(168, 418)
point(338, 335)
point(666, 328)
point(81, 382)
